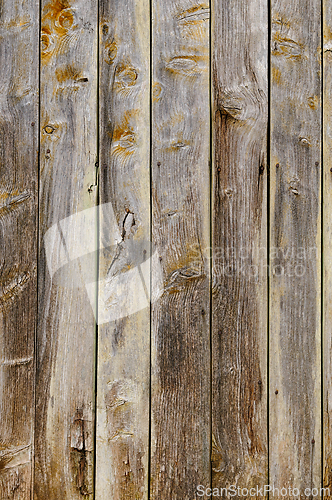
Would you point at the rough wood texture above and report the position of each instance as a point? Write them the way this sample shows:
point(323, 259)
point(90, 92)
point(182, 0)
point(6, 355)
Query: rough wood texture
point(18, 237)
point(295, 323)
point(180, 448)
point(66, 330)
point(327, 240)
point(239, 321)
point(124, 275)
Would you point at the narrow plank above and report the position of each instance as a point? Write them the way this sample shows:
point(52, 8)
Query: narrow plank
point(19, 39)
point(239, 227)
point(295, 319)
point(327, 249)
point(122, 446)
point(68, 244)
point(180, 454)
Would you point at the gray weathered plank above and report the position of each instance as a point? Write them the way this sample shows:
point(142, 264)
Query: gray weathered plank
point(68, 243)
point(180, 443)
point(239, 226)
point(295, 319)
point(327, 250)
point(122, 445)
point(19, 35)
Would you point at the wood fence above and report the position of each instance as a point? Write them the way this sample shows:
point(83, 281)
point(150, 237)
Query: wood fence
point(165, 200)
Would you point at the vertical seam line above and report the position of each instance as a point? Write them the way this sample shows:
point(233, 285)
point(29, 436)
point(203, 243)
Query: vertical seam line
point(97, 259)
point(151, 250)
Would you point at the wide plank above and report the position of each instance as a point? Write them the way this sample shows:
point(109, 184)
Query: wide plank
point(239, 244)
point(19, 38)
point(68, 243)
point(180, 384)
point(123, 374)
point(295, 238)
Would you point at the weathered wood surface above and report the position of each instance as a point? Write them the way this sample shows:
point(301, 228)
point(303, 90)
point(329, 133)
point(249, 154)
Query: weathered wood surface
point(295, 280)
point(239, 235)
point(183, 392)
point(19, 35)
point(180, 399)
point(327, 242)
point(66, 329)
point(122, 445)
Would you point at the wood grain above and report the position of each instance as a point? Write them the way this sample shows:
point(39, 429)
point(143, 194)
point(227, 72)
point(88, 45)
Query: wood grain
point(295, 319)
point(124, 274)
point(239, 226)
point(68, 244)
point(180, 442)
point(18, 237)
point(327, 249)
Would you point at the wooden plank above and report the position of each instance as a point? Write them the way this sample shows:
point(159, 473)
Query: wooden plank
point(239, 226)
point(68, 244)
point(180, 454)
point(295, 319)
point(327, 250)
point(122, 445)
point(19, 38)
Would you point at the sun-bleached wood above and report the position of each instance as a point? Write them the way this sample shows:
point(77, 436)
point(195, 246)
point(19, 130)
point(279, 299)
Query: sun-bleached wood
point(295, 238)
point(19, 34)
point(239, 236)
point(66, 326)
point(122, 446)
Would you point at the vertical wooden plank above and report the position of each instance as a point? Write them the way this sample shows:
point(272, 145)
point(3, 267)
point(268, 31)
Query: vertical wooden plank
point(19, 32)
point(180, 455)
point(68, 243)
point(295, 319)
point(239, 300)
point(327, 248)
point(124, 277)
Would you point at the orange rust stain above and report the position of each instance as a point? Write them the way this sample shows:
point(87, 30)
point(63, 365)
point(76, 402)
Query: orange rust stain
point(276, 75)
point(287, 47)
point(194, 24)
point(111, 51)
point(157, 91)
point(124, 137)
point(313, 102)
point(125, 126)
point(57, 20)
point(193, 10)
point(125, 77)
point(67, 73)
point(55, 14)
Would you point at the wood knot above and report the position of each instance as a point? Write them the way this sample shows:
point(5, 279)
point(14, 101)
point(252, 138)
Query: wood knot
point(125, 77)
point(65, 19)
point(157, 91)
point(47, 45)
point(49, 129)
point(111, 51)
